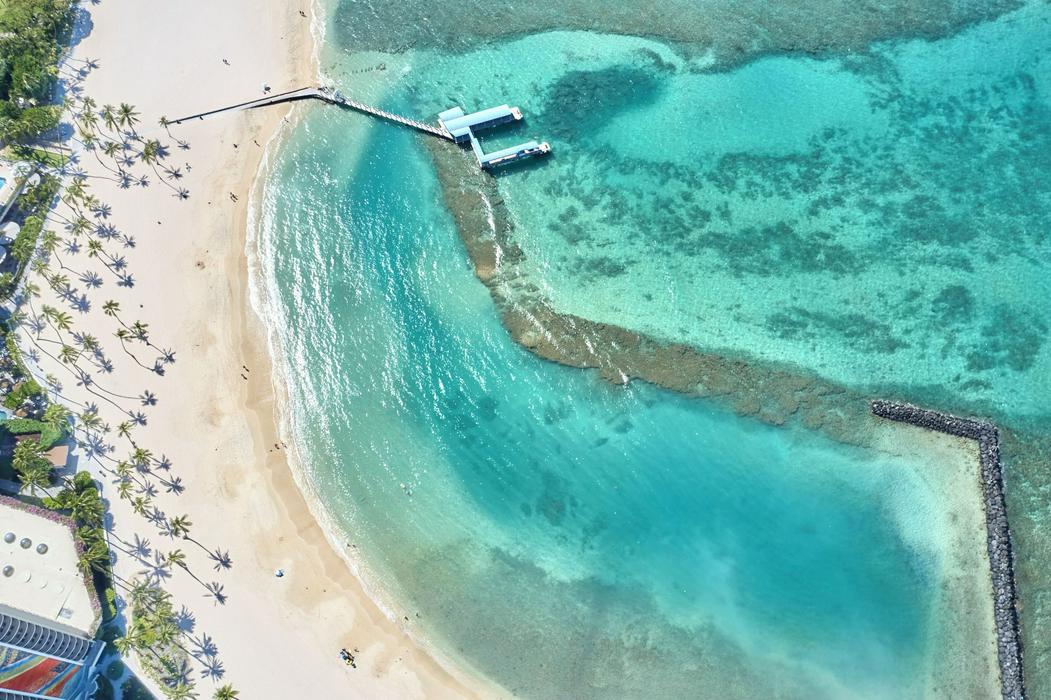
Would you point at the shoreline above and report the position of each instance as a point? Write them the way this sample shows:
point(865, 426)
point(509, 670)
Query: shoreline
point(215, 416)
point(273, 417)
point(287, 476)
point(277, 512)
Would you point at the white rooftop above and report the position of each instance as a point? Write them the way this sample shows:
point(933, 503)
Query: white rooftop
point(12, 179)
point(46, 585)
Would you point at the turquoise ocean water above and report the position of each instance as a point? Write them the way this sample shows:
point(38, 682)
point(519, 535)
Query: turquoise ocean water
point(872, 210)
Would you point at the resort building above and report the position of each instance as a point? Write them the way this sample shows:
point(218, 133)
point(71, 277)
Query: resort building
point(48, 610)
point(13, 179)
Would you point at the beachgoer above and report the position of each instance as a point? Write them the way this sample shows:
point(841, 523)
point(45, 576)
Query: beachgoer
point(279, 573)
point(226, 62)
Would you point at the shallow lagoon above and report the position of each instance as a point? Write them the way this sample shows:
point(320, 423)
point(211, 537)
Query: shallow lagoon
point(627, 539)
point(572, 538)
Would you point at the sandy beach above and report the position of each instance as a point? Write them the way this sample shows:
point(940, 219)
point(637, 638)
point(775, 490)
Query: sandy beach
point(215, 415)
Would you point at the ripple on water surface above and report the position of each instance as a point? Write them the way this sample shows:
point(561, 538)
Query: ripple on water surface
point(574, 539)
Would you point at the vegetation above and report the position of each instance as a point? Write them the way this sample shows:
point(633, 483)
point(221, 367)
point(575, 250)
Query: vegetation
point(154, 634)
point(22, 392)
point(50, 433)
point(42, 156)
point(32, 467)
point(34, 205)
point(108, 599)
point(105, 689)
point(109, 634)
point(68, 247)
point(133, 689)
point(31, 34)
point(115, 669)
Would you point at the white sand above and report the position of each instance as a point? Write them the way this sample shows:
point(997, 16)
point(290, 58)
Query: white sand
point(277, 637)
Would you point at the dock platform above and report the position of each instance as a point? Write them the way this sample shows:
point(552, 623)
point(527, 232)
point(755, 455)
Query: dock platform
point(453, 124)
point(461, 129)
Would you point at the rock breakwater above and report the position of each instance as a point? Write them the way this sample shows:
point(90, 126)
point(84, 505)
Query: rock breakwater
point(998, 535)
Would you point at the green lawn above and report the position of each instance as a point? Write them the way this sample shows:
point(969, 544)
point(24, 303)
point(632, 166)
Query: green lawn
point(37, 155)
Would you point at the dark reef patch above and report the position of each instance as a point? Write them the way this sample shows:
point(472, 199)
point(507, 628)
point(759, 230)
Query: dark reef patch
point(1011, 339)
point(857, 331)
point(579, 101)
point(761, 389)
point(734, 31)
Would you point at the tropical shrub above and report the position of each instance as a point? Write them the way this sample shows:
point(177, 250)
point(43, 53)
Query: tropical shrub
point(133, 689)
point(105, 690)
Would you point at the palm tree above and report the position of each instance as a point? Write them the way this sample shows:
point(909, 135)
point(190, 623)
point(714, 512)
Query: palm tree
point(140, 505)
point(180, 691)
point(140, 331)
point(89, 418)
point(124, 489)
point(89, 342)
point(164, 633)
point(109, 117)
point(123, 336)
point(226, 692)
point(125, 645)
point(33, 479)
point(142, 457)
point(126, 115)
point(68, 355)
point(57, 416)
point(150, 152)
point(49, 243)
point(111, 308)
point(33, 469)
point(180, 526)
point(94, 557)
point(124, 430)
point(86, 507)
point(111, 149)
point(176, 557)
point(141, 594)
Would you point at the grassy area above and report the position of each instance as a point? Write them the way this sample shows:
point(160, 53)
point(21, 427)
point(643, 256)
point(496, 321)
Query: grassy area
point(51, 159)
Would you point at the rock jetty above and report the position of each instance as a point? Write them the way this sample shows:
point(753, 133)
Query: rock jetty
point(998, 536)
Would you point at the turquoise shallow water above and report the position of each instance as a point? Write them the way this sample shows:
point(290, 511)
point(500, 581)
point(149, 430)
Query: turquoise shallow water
point(854, 216)
point(536, 516)
point(846, 215)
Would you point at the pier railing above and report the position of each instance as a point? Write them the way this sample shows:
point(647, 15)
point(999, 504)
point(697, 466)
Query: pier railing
point(325, 95)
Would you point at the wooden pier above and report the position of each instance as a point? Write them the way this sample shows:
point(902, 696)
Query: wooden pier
point(453, 125)
point(325, 95)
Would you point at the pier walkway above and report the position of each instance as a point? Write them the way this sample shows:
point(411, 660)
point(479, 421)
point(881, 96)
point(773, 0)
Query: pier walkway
point(453, 125)
point(325, 95)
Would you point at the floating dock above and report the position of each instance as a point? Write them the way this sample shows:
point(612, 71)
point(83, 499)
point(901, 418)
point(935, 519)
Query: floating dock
point(453, 124)
point(461, 129)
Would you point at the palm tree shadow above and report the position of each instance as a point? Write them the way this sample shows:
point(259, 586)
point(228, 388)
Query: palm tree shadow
point(185, 620)
point(82, 25)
